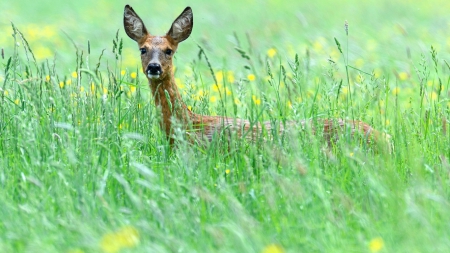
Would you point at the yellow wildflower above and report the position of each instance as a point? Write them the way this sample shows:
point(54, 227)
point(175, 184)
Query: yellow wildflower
point(17, 101)
point(317, 45)
point(230, 77)
point(213, 99)
point(273, 248)
point(376, 244)
point(377, 73)
point(256, 100)
point(123, 72)
point(126, 237)
point(289, 104)
point(219, 76)
point(227, 171)
point(271, 52)
point(179, 83)
point(434, 95)
point(74, 74)
point(403, 76)
point(61, 85)
point(133, 75)
point(251, 77)
point(47, 78)
point(359, 63)
point(395, 91)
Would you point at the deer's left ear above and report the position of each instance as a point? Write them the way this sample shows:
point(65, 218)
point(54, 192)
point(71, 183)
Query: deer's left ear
point(182, 26)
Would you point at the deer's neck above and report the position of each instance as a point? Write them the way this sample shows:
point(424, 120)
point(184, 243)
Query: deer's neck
point(173, 109)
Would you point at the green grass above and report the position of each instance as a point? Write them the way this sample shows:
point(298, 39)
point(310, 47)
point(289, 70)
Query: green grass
point(84, 165)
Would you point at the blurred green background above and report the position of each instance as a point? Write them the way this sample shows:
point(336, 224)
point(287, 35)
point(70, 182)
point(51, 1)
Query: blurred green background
point(380, 32)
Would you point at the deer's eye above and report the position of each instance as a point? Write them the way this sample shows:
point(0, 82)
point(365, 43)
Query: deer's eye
point(143, 50)
point(168, 52)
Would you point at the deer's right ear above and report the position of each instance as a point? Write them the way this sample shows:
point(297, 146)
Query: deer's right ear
point(134, 27)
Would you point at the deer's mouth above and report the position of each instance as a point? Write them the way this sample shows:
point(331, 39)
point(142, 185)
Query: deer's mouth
point(153, 75)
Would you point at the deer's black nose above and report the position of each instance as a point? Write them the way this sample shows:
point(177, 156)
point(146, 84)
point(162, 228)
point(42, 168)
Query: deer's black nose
point(154, 69)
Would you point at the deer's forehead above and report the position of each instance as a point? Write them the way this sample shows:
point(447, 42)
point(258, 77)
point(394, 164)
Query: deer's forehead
point(157, 41)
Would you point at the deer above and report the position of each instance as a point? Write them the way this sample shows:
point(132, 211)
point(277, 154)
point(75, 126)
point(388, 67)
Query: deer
point(156, 57)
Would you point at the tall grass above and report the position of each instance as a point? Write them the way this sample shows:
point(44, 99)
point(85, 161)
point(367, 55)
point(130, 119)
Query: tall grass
point(85, 167)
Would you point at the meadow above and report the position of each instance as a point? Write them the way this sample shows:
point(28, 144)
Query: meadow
point(85, 167)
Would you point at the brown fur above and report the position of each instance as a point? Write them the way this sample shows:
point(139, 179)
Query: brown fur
point(203, 127)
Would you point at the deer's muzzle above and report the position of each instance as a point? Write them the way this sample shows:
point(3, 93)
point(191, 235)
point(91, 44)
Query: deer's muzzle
point(154, 70)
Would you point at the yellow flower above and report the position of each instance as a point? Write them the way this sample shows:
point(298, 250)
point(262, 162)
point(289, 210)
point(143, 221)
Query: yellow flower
point(61, 85)
point(251, 77)
point(230, 77)
point(219, 76)
point(105, 91)
point(213, 99)
point(92, 87)
point(289, 104)
point(344, 90)
point(74, 74)
point(434, 95)
point(123, 72)
point(403, 76)
point(376, 244)
point(273, 248)
point(42, 52)
point(189, 108)
point(271, 52)
point(47, 78)
point(256, 100)
point(133, 75)
point(126, 237)
point(81, 88)
point(395, 91)
point(216, 88)
point(377, 73)
point(69, 82)
point(6, 93)
point(17, 101)
point(238, 102)
point(227, 171)
point(179, 83)
point(359, 63)
point(317, 45)
point(132, 88)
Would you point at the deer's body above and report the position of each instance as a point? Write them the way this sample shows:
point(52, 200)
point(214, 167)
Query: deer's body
point(156, 57)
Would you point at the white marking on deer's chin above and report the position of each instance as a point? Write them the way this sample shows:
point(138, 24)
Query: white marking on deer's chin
point(153, 76)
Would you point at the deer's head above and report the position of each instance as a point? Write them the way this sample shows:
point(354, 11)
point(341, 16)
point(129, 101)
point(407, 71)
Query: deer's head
point(157, 51)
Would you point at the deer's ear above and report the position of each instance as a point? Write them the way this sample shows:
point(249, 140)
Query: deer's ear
point(134, 27)
point(182, 26)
